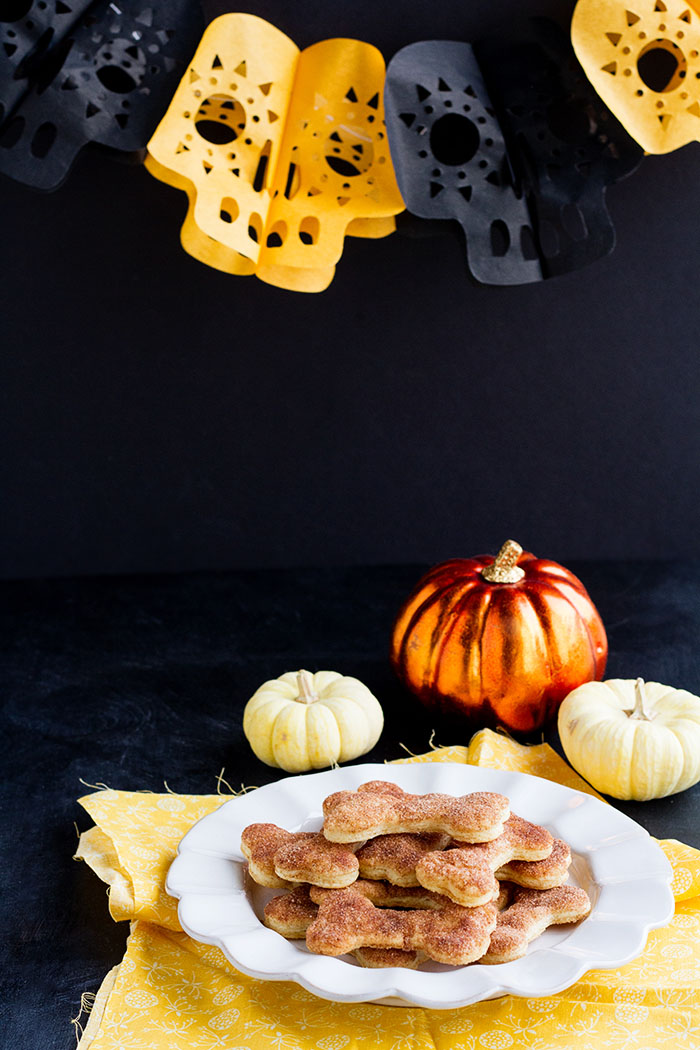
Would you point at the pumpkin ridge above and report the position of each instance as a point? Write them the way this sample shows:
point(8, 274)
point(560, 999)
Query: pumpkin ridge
point(420, 611)
point(439, 641)
point(549, 588)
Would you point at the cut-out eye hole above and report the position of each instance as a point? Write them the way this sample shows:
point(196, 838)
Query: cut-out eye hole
point(229, 210)
point(309, 229)
point(255, 227)
point(220, 119)
point(453, 139)
point(116, 79)
point(662, 66)
point(13, 10)
point(349, 151)
point(43, 139)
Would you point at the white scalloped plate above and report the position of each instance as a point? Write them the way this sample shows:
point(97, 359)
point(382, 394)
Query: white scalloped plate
point(623, 870)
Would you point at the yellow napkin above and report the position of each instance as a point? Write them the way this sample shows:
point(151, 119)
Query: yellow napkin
point(171, 993)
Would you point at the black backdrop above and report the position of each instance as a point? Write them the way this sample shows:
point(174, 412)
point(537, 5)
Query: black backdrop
point(158, 415)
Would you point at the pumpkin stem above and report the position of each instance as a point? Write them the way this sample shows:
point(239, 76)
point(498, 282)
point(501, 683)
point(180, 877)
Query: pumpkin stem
point(305, 685)
point(638, 711)
point(504, 568)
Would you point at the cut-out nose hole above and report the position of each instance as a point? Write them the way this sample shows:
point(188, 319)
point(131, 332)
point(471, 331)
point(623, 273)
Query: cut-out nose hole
point(309, 229)
point(549, 239)
point(453, 139)
point(229, 210)
point(662, 66)
point(573, 222)
point(220, 119)
point(261, 171)
point(12, 133)
point(500, 238)
point(43, 140)
point(527, 244)
point(277, 235)
point(116, 79)
point(255, 227)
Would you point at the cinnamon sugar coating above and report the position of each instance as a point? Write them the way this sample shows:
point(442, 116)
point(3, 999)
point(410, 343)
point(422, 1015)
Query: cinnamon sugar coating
point(539, 874)
point(346, 920)
point(466, 874)
point(394, 857)
point(379, 958)
point(385, 895)
point(368, 812)
point(279, 858)
point(531, 912)
point(291, 913)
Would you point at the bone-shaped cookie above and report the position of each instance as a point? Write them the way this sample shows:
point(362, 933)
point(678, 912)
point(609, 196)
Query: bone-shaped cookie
point(466, 874)
point(291, 913)
point(531, 912)
point(539, 874)
point(379, 958)
point(394, 857)
point(385, 895)
point(453, 935)
point(282, 858)
point(368, 812)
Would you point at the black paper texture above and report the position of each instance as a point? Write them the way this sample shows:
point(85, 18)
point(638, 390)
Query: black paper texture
point(99, 73)
point(508, 138)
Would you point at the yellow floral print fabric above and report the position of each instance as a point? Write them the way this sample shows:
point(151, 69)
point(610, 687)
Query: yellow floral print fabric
point(171, 993)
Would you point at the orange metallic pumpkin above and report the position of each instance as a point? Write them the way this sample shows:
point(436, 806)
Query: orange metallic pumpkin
point(500, 640)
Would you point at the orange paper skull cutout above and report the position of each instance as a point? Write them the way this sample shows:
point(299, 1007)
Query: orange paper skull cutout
point(643, 59)
point(281, 153)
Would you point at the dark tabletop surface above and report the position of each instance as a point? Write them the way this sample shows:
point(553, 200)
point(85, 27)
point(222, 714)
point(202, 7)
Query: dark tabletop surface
point(131, 681)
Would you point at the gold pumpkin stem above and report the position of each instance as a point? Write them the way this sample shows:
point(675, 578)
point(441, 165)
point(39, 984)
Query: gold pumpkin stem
point(638, 711)
point(305, 685)
point(504, 568)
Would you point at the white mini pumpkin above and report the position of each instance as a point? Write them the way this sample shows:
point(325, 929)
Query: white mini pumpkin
point(303, 721)
point(631, 739)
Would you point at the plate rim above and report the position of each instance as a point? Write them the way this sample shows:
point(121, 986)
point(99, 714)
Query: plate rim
point(398, 987)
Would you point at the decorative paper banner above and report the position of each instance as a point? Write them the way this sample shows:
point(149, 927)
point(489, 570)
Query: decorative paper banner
point(77, 76)
point(281, 153)
point(643, 58)
point(511, 141)
point(27, 31)
point(450, 157)
point(567, 148)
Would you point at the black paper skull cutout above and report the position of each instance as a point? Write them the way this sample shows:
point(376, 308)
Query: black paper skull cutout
point(566, 147)
point(451, 160)
point(563, 148)
point(29, 30)
point(108, 80)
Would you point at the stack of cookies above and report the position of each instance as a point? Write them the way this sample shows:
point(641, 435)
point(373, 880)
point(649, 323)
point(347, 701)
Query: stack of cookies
point(396, 879)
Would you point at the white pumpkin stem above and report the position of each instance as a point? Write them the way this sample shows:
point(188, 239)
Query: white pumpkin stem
point(638, 710)
point(504, 568)
point(305, 685)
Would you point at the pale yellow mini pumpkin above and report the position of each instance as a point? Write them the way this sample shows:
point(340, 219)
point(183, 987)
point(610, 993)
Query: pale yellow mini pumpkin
point(303, 721)
point(632, 740)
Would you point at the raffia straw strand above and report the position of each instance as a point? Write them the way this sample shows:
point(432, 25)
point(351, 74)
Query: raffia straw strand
point(87, 1001)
